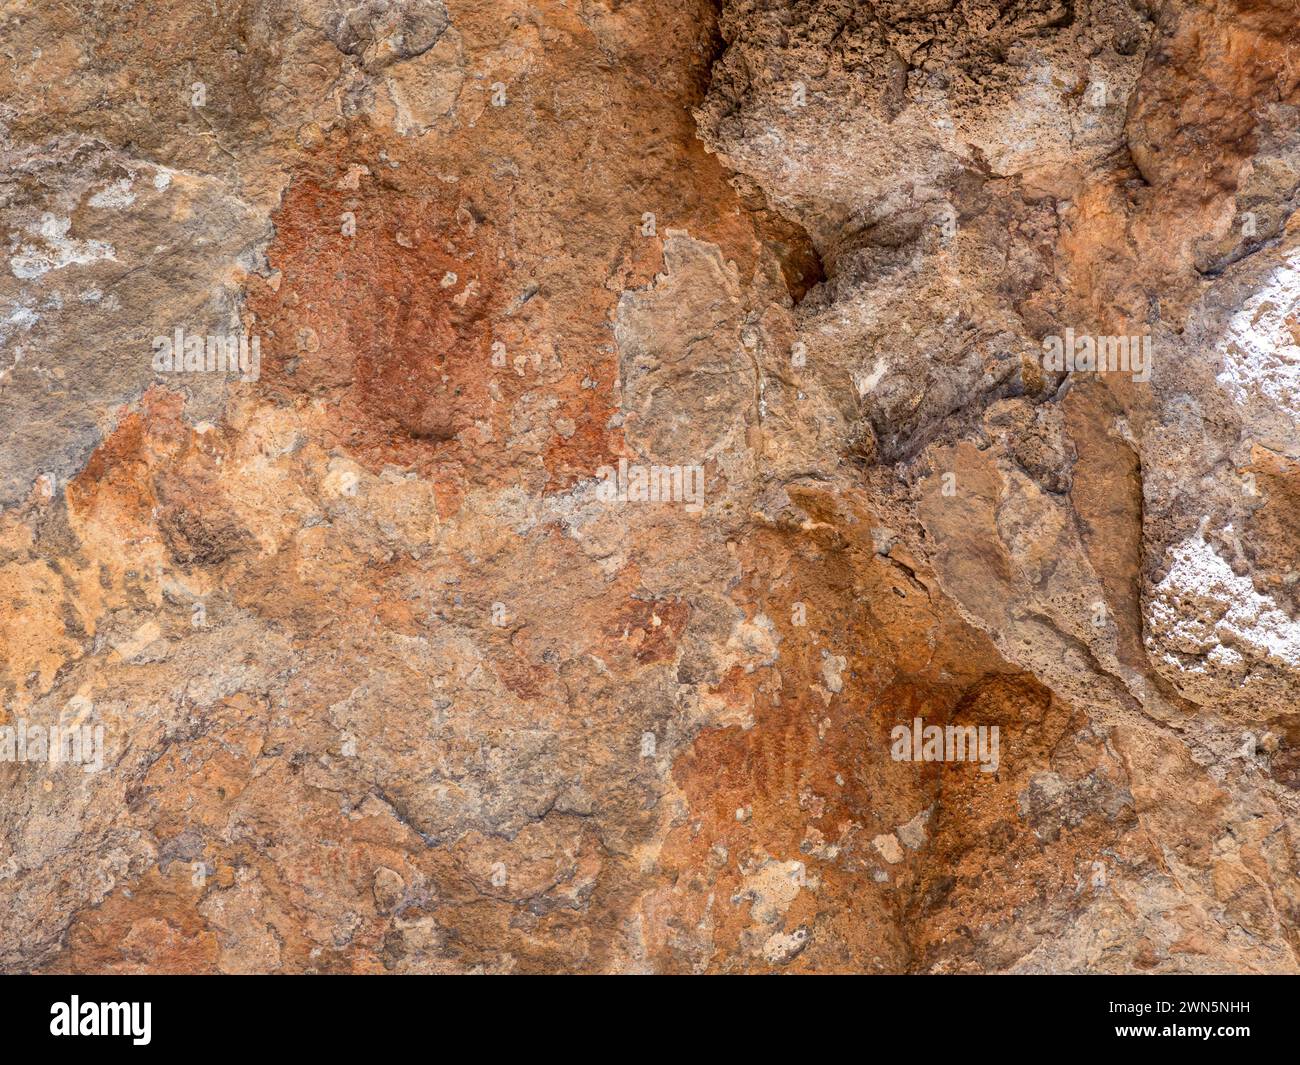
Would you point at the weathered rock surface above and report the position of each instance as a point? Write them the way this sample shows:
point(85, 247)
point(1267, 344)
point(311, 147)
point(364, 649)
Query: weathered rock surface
point(389, 680)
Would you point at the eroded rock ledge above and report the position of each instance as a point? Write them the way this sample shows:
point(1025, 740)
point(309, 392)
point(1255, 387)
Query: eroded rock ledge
point(394, 671)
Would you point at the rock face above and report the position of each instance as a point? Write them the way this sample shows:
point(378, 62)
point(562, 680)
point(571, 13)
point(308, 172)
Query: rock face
point(803, 486)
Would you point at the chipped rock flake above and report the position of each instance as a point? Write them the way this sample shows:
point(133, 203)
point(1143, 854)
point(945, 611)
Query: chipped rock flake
point(1221, 638)
point(117, 195)
point(1260, 350)
point(771, 889)
point(55, 251)
point(887, 845)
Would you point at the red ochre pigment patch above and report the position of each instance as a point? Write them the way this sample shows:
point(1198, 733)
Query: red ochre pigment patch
point(649, 630)
point(118, 474)
point(154, 476)
point(391, 325)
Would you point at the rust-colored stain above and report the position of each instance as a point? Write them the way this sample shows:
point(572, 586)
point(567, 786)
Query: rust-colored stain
point(389, 324)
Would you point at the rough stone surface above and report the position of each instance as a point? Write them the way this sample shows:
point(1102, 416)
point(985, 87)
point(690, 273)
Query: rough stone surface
point(389, 683)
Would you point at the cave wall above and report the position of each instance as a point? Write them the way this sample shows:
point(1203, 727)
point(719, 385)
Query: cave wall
point(395, 672)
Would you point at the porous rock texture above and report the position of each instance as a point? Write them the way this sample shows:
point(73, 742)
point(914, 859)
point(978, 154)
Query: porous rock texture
point(387, 685)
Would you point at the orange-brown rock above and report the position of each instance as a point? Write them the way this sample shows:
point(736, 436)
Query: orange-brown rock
point(646, 531)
